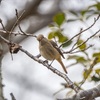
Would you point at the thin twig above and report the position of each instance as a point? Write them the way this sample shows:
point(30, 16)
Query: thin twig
point(71, 51)
point(12, 96)
point(5, 40)
point(95, 20)
point(15, 24)
point(16, 33)
point(17, 15)
point(77, 40)
point(87, 40)
point(3, 26)
point(71, 65)
point(6, 32)
point(23, 33)
point(82, 50)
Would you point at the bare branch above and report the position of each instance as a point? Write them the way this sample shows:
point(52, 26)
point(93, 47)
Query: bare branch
point(17, 15)
point(72, 49)
point(87, 39)
point(3, 25)
point(12, 96)
point(77, 39)
point(82, 50)
point(15, 23)
point(18, 18)
point(95, 20)
point(17, 33)
point(1, 85)
point(90, 94)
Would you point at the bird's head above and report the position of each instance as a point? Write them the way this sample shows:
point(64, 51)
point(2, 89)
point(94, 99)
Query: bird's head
point(40, 37)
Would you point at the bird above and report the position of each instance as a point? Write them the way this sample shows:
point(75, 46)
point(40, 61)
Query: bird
point(50, 51)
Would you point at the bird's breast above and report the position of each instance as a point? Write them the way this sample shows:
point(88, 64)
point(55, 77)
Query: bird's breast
point(48, 52)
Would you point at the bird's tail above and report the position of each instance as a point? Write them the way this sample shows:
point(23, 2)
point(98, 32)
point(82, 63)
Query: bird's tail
point(64, 68)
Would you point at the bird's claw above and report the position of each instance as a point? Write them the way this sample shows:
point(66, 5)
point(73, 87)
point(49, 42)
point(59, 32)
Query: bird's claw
point(45, 61)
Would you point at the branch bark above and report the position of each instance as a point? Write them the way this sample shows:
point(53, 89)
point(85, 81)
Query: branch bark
point(1, 86)
point(90, 94)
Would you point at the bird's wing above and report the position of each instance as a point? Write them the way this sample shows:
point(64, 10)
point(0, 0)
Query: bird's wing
point(56, 47)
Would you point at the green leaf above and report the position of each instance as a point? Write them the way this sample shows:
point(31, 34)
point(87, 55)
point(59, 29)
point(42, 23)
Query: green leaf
point(96, 54)
point(67, 43)
point(83, 12)
point(97, 5)
point(54, 33)
point(86, 74)
point(51, 35)
point(98, 71)
point(59, 18)
point(83, 46)
point(95, 78)
point(97, 60)
point(79, 59)
point(60, 36)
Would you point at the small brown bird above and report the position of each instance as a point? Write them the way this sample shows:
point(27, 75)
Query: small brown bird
point(49, 50)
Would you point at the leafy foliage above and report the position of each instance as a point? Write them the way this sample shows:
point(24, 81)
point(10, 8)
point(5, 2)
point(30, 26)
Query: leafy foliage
point(96, 76)
point(59, 18)
point(79, 59)
point(86, 74)
point(86, 13)
point(97, 6)
point(57, 32)
point(83, 46)
point(97, 54)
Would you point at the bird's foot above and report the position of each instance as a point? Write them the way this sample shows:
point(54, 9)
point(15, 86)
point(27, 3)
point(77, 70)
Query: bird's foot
point(51, 63)
point(45, 61)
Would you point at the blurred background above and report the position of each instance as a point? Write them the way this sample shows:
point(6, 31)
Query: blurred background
point(27, 79)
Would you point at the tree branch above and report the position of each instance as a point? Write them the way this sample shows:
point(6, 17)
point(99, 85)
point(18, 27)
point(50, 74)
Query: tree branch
point(95, 20)
point(1, 85)
point(90, 94)
point(70, 84)
point(12, 96)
